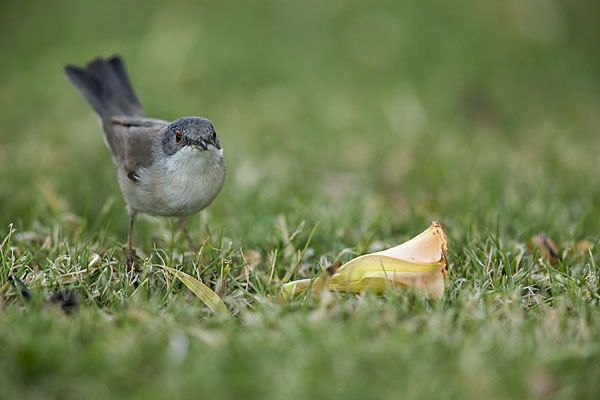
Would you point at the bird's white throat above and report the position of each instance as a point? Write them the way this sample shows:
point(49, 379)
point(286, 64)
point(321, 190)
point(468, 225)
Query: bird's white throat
point(191, 162)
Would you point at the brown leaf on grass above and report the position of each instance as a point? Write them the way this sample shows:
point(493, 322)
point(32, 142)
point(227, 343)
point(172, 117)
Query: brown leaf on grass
point(583, 247)
point(545, 246)
point(579, 250)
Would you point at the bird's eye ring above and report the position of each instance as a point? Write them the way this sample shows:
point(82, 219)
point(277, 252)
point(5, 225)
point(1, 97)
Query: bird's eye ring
point(178, 136)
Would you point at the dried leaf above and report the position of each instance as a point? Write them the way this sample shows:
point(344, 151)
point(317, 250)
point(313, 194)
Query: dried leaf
point(545, 246)
point(583, 247)
point(203, 292)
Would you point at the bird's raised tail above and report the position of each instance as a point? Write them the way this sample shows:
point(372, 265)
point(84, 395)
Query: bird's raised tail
point(106, 86)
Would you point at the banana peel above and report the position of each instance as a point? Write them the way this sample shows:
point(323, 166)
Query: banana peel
point(419, 264)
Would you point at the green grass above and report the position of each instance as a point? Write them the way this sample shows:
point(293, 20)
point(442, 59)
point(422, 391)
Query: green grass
point(366, 120)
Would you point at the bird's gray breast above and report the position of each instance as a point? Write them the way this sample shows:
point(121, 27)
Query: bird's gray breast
point(180, 185)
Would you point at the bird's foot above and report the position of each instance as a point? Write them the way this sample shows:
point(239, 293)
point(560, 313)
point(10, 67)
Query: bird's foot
point(131, 259)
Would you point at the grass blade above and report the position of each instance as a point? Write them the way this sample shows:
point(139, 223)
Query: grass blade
point(204, 293)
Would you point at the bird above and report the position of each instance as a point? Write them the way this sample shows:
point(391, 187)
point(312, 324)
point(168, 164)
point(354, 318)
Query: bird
point(169, 169)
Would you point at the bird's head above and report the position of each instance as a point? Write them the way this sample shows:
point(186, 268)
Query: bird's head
point(191, 137)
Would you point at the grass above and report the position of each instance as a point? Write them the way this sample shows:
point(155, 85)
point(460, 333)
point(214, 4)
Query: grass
point(347, 128)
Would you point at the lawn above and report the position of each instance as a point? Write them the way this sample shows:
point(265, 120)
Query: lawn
point(347, 128)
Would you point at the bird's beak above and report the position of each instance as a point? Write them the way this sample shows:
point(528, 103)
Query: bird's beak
point(201, 144)
point(198, 143)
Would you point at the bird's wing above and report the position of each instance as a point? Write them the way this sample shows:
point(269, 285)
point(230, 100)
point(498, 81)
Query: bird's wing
point(132, 141)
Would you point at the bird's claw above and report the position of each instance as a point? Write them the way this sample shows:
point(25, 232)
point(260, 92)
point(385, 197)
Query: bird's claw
point(131, 259)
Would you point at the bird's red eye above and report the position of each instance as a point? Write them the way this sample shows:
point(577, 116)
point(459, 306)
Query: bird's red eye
point(178, 136)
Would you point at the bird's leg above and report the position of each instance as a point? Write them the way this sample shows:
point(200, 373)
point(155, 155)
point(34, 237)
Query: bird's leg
point(131, 256)
point(182, 222)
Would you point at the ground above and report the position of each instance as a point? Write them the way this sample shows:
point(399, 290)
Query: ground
point(347, 127)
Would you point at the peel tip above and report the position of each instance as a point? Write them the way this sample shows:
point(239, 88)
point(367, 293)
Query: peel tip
point(437, 228)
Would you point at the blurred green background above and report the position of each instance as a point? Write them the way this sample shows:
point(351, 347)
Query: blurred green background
point(334, 111)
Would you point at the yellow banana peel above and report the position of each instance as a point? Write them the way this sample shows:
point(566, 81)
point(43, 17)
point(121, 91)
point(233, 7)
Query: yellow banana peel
point(419, 264)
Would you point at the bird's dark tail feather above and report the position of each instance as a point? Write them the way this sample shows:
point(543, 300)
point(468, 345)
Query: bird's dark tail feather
point(106, 86)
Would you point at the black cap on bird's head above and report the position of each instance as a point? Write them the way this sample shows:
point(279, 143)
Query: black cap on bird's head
point(195, 132)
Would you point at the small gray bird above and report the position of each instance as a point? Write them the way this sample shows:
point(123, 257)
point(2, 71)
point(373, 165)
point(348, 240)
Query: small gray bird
point(172, 169)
